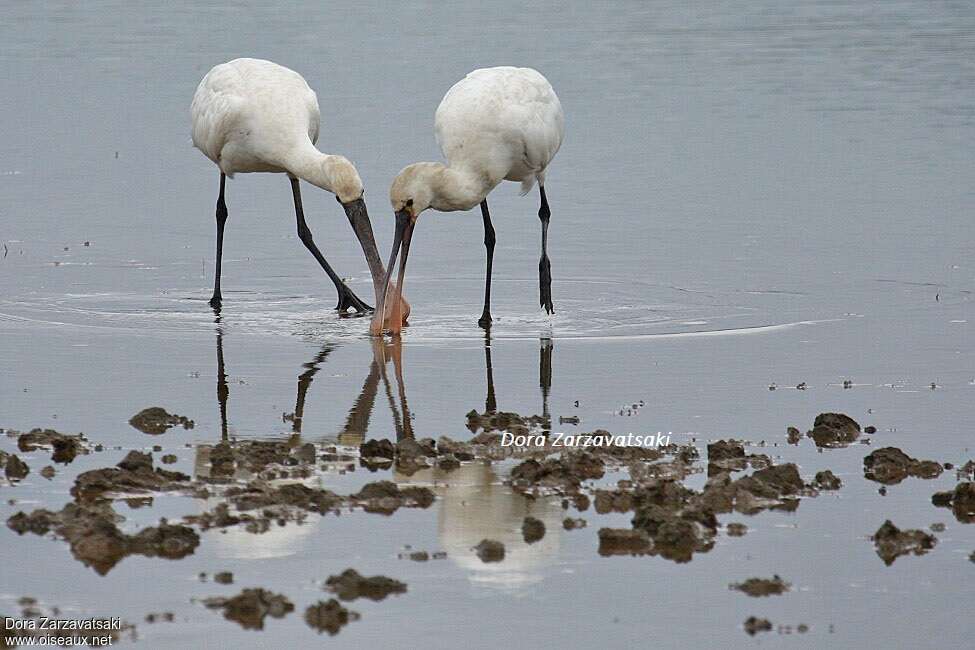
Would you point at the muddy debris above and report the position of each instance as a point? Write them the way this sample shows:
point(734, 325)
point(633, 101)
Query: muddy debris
point(532, 530)
point(961, 500)
point(505, 421)
point(462, 451)
point(760, 587)
point(152, 617)
point(826, 480)
point(250, 607)
point(134, 473)
point(754, 625)
point(736, 529)
point(793, 435)
point(890, 466)
point(377, 454)
point(490, 550)
point(329, 616)
point(64, 448)
point(729, 455)
point(937, 527)
point(14, 468)
point(48, 472)
point(623, 541)
point(349, 585)
point(571, 524)
point(834, 430)
point(223, 578)
point(892, 542)
point(92, 533)
point(566, 472)
point(385, 497)
point(169, 459)
point(155, 420)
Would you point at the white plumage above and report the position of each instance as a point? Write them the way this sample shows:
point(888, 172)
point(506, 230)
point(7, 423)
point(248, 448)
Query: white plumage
point(496, 124)
point(251, 115)
point(505, 122)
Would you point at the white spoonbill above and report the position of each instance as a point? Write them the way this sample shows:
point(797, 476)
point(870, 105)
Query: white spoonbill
point(251, 115)
point(495, 124)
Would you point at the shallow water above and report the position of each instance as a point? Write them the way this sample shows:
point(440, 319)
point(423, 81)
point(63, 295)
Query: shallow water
point(746, 196)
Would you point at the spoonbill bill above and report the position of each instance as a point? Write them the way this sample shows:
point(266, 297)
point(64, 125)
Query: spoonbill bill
point(496, 124)
point(251, 115)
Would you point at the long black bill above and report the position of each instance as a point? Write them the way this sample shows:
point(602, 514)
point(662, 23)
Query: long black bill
point(359, 219)
point(401, 239)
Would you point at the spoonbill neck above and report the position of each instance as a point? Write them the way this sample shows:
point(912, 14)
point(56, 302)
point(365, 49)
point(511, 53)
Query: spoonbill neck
point(332, 173)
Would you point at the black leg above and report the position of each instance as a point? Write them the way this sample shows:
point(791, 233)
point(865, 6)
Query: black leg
point(221, 221)
point(346, 297)
point(223, 391)
point(490, 401)
point(544, 267)
point(485, 320)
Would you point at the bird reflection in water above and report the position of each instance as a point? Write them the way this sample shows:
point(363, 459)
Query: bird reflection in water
point(472, 503)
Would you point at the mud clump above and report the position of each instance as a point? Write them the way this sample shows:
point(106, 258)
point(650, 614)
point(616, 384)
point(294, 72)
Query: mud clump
point(826, 480)
point(490, 550)
point(961, 500)
point(134, 473)
point(754, 625)
point(505, 421)
point(760, 587)
point(834, 430)
point(385, 497)
point(735, 529)
point(623, 541)
point(532, 530)
point(250, 607)
point(349, 585)
point(224, 578)
point(607, 501)
point(14, 468)
point(890, 465)
point(95, 540)
point(377, 454)
point(329, 616)
point(892, 542)
point(571, 524)
point(64, 448)
point(793, 435)
point(155, 420)
point(725, 450)
point(563, 473)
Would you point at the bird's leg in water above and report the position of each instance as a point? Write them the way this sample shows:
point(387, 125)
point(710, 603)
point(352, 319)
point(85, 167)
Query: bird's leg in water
point(489, 239)
point(346, 297)
point(221, 221)
point(544, 267)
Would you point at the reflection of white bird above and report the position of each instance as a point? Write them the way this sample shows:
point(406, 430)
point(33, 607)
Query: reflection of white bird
point(495, 124)
point(475, 506)
point(251, 115)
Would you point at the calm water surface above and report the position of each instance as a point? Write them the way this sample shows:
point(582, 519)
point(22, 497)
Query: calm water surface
point(748, 193)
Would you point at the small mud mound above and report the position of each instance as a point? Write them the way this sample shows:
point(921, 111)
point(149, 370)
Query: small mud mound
point(834, 430)
point(892, 542)
point(754, 625)
point(759, 587)
point(155, 421)
point(92, 532)
point(329, 616)
point(349, 585)
point(64, 448)
point(134, 473)
point(826, 480)
point(250, 607)
point(532, 530)
point(890, 466)
point(490, 550)
point(961, 500)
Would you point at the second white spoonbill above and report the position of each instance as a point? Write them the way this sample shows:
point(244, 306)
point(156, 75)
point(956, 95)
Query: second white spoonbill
point(495, 124)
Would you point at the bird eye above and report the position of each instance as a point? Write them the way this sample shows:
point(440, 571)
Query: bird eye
point(409, 203)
